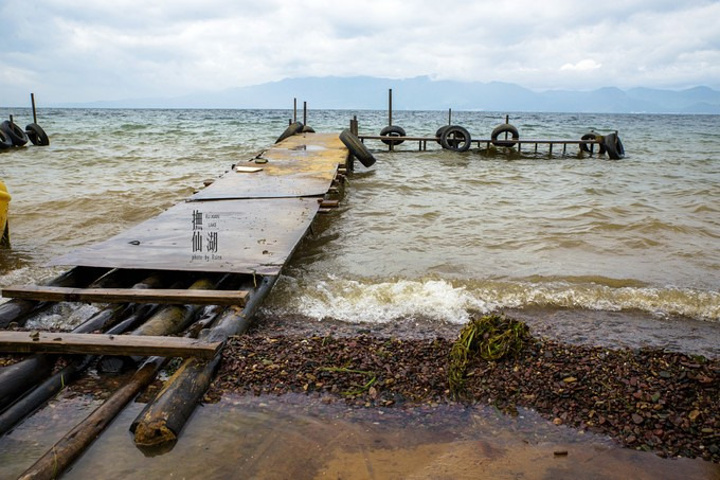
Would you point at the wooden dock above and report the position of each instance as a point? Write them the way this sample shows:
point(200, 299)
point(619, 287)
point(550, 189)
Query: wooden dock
point(200, 269)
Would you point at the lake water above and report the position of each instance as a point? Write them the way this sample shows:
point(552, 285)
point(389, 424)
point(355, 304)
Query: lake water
point(421, 236)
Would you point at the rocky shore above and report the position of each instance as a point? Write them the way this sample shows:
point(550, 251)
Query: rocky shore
point(646, 399)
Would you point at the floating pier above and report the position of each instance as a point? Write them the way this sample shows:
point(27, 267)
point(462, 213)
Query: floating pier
point(200, 269)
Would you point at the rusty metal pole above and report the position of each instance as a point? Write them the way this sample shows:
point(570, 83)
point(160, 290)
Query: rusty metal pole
point(390, 106)
point(32, 100)
point(391, 145)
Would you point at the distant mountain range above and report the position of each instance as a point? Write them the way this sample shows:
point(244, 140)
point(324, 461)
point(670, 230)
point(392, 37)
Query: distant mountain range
point(422, 93)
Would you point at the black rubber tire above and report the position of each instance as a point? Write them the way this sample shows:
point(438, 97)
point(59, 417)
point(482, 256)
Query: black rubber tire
point(504, 128)
point(440, 131)
point(357, 148)
point(392, 131)
point(5, 141)
point(37, 135)
point(292, 129)
point(592, 136)
point(15, 133)
point(614, 147)
point(455, 138)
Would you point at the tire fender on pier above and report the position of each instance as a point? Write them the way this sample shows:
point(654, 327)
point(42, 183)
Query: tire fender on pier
point(357, 148)
point(37, 135)
point(504, 128)
point(585, 147)
point(455, 138)
point(16, 135)
point(392, 131)
point(440, 131)
point(292, 129)
point(5, 141)
point(614, 147)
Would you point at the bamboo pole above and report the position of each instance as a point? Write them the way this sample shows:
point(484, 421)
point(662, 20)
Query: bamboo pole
point(67, 449)
point(160, 422)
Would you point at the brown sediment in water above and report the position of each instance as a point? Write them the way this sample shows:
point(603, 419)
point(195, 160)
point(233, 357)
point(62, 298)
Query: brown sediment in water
point(645, 399)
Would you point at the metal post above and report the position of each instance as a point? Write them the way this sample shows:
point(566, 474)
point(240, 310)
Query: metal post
point(449, 116)
point(294, 110)
point(390, 106)
point(304, 113)
point(32, 100)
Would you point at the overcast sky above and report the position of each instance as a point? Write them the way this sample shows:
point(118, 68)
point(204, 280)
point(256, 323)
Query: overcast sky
point(78, 51)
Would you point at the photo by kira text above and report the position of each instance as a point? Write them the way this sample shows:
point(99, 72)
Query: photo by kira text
point(205, 236)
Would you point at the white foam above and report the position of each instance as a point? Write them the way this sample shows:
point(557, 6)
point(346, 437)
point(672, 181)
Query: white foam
point(356, 301)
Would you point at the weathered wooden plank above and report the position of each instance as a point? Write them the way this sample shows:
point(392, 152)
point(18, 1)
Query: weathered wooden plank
point(126, 295)
point(253, 236)
point(299, 166)
point(98, 344)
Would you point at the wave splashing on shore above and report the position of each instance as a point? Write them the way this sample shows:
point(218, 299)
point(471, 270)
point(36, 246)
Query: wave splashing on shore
point(367, 301)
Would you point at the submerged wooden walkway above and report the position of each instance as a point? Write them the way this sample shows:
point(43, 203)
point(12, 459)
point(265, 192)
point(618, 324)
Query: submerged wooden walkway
point(200, 269)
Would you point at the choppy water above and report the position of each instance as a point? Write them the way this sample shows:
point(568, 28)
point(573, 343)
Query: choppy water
point(430, 235)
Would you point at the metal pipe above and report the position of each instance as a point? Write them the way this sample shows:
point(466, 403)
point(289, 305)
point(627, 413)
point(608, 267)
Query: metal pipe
point(32, 100)
point(390, 108)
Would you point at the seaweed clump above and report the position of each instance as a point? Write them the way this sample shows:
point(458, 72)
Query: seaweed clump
point(491, 337)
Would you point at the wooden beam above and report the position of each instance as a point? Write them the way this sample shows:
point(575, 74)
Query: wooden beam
point(127, 295)
point(98, 344)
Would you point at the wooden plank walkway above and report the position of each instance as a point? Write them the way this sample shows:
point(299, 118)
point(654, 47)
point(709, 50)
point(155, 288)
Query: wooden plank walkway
point(247, 222)
point(97, 344)
point(128, 295)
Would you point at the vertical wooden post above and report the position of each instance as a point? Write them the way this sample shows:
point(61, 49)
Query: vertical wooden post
point(32, 100)
point(390, 107)
point(294, 110)
point(304, 113)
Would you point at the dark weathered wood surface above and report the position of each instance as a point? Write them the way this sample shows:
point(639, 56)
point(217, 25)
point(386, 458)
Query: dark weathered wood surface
point(126, 295)
point(299, 166)
point(99, 344)
point(253, 236)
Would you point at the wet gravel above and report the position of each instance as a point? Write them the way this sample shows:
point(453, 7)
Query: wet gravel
point(646, 399)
